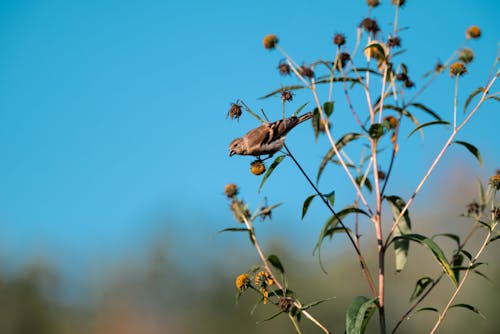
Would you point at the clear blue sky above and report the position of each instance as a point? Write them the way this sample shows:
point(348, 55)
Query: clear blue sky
point(112, 115)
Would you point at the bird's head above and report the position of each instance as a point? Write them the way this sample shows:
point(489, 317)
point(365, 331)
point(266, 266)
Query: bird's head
point(237, 146)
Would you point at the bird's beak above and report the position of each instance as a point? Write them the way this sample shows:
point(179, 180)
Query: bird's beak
point(231, 153)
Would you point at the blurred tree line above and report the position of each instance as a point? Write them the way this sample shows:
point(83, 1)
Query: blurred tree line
point(159, 296)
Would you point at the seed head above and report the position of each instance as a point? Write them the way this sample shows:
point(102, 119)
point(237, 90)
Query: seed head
point(408, 84)
point(457, 69)
point(370, 25)
point(381, 175)
point(473, 32)
point(339, 39)
point(286, 95)
point(473, 208)
point(466, 55)
point(394, 41)
point(373, 3)
point(496, 213)
point(439, 67)
point(342, 59)
point(398, 3)
point(257, 167)
point(402, 77)
point(234, 111)
point(231, 190)
point(284, 68)
point(270, 41)
point(306, 72)
point(285, 303)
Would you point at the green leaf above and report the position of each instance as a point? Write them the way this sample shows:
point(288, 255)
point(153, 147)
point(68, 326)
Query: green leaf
point(470, 308)
point(330, 228)
point(456, 263)
point(437, 252)
point(433, 309)
point(316, 123)
point(328, 108)
point(471, 96)
point(275, 163)
point(483, 275)
point(452, 236)
point(248, 110)
point(269, 318)
point(359, 313)
point(401, 246)
point(472, 149)
point(366, 182)
point(426, 109)
point(314, 303)
point(234, 229)
point(276, 263)
point(279, 90)
point(299, 109)
point(482, 197)
point(496, 237)
point(341, 143)
point(306, 204)
point(331, 198)
point(420, 287)
point(493, 97)
point(427, 124)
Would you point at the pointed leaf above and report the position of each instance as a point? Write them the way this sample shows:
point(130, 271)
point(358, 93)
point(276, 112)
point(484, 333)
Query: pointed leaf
point(275, 164)
point(471, 96)
point(426, 109)
point(248, 110)
point(328, 108)
point(427, 309)
point(427, 124)
point(331, 198)
point(472, 149)
point(493, 97)
point(306, 204)
point(437, 252)
point(359, 313)
point(234, 229)
point(341, 143)
point(470, 308)
point(299, 109)
point(314, 303)
point(401, 246)
point(483, 275)
point(316, 123)
point(278, 91)
point(452, 236)
point(276, 263)
point(420, 287)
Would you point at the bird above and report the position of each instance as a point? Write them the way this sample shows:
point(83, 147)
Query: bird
point(267, 138)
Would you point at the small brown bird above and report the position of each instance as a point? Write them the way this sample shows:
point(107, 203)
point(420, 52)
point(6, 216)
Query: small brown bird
point(267, 138)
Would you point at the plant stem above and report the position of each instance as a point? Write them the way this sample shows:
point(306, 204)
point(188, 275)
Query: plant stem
point(263, 258)
point(362, 262)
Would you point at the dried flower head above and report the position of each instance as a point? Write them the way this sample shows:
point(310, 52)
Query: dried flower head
point(381, 175)
point(408, 84)
point(270, 41)
point(473, 208)
point(457, 69)
point(234, 111)
point(284, 68)
point(439, 67)
point(495, 182)
point(286, 95)
point(257, 167)
point(231, 190)
point(373, 3)
point(402, 77)
point(398, 3)
point(370, 25)
point(240, 210)
point(466, 55)
point(339, 39)
point(394, 41)
point(242, 282)
point(264, 280)
point(496, 213)
point(285, 303)
point(473, 32)
point(341, 60)
point(306, 72)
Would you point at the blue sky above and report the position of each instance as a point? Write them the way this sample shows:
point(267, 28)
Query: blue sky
point(112, 116)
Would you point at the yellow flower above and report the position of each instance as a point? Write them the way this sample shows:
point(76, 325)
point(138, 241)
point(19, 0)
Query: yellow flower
point(473, 32)
point(242, 282)
point(457, 69)
point(264, 280)
point(393, 122)
point(257, 167)
point(270, 41)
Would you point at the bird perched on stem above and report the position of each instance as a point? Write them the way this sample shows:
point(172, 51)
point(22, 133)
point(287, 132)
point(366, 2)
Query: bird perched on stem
point(267, 138)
